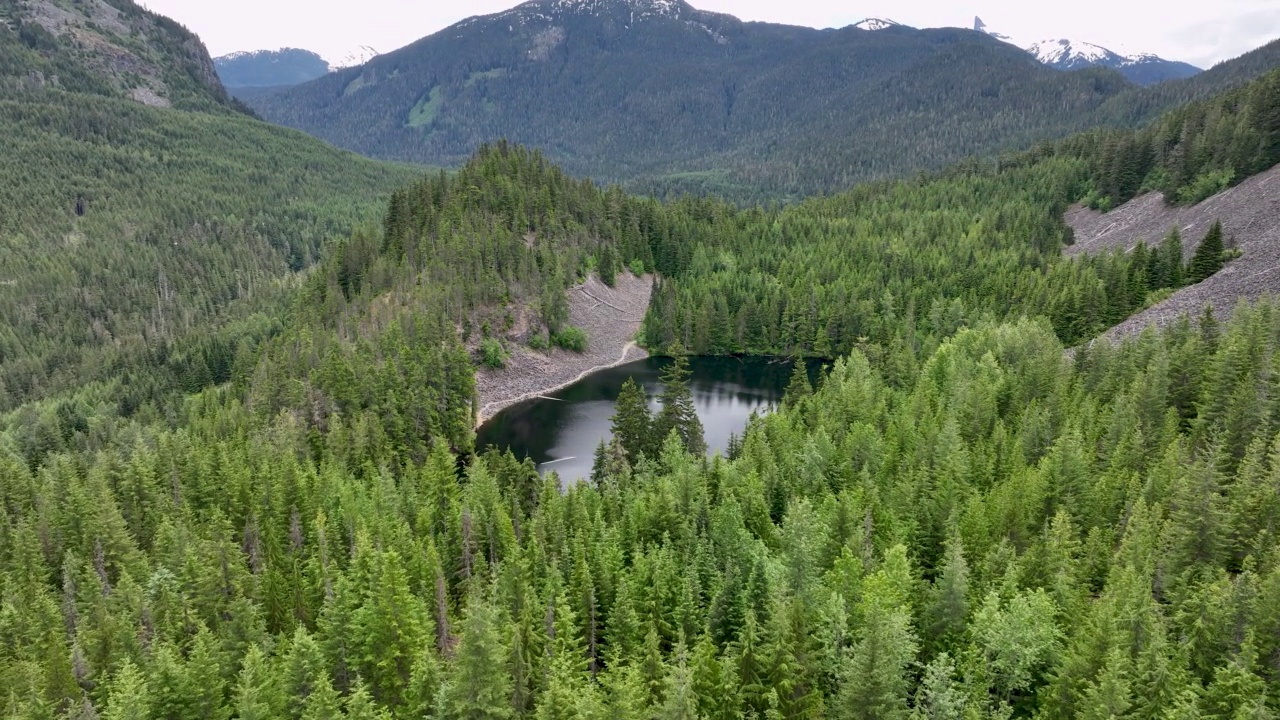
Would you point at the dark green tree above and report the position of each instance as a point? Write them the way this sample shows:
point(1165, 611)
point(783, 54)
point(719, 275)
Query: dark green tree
point(678, 413)
point(1208, 259)
point(633, 425)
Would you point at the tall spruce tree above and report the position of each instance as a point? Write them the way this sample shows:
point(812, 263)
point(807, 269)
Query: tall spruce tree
point(479, 686)
point(633, 425)
point(1208, 259)
point(678, 410)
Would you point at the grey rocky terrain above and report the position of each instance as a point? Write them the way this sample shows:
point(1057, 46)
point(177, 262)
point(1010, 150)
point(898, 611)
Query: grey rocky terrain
point(611, 316)
point(1250, 215)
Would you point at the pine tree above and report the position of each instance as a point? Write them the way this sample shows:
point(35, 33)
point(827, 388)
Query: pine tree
point(799, 388)
point(875, 685)
point(127, 696)
point(390, 628)
point(323, 703)
point(633, 425)
point(479, 684)
point(257, 694)
point(678, 412)
point(1208, 259)
point(679, 700)
point(938, 697)
point(947, 614)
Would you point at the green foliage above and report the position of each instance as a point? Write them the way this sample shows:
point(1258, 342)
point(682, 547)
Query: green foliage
point(193, 226)
point(1210, 256)
point(1192, 152)
point(678, 415)
point(571, 338)
point(492, 354)
point(632, 423)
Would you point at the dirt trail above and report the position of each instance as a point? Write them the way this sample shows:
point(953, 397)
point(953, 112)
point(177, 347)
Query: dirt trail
point(1250, 215)
point(611, 316)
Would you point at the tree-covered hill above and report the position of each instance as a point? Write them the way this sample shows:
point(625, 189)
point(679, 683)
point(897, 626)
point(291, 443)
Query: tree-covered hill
point(105, 47)
point(671, 99)
point(130, 234)
point(677, 89)
point(269, 68)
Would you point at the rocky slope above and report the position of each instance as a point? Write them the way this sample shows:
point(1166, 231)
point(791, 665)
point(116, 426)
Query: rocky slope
point(1250, 215)
point(105, 47)
point(611, 318)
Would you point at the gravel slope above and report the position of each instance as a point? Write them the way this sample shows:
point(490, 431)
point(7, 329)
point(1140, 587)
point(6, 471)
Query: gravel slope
point(611, 317)
point(1250, 215)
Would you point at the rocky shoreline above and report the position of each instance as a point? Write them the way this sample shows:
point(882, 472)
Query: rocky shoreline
point(611, 316)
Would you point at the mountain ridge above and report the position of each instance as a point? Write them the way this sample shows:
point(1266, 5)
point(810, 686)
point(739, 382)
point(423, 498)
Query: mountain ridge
point(703, 98)
point(1067, 54)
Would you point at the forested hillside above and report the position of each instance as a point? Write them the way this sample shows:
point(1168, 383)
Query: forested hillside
point(669, 99)
point(237, 473)
point(107, 48)
point(140, 243)
point(619, 91)
point(1004, 534)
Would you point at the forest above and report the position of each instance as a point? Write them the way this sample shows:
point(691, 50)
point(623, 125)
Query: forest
point(238, 473)
point(1008, 534)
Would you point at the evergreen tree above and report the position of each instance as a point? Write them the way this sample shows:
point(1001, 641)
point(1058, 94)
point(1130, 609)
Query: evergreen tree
point(1208, 259)
point(799, 388)
point(479, 684)
point(127, 696)
point(633, 425)
point(257, 693)
point(874, 683)
point(678, 413)
point(939, 697)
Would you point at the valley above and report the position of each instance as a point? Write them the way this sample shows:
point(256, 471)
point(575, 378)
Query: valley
point(702, 370)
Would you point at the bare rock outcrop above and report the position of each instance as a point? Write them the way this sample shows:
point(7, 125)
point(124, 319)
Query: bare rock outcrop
point(611, 316)
point(1250, 216)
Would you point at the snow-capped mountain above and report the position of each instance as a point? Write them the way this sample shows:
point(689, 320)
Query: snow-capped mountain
point(1066, 54)
point(356, 58)
point(874, 24)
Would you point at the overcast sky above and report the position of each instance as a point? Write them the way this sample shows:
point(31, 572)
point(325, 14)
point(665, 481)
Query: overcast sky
point(1202, 33)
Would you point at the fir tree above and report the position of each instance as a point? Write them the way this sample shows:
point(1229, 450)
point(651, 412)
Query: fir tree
point(678, 412)
point(479, 684)
point(1208, 259)
point(633, 425)
point(799, 388)
point(127, 696)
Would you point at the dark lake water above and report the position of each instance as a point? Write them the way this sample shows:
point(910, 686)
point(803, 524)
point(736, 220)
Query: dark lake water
point(561, 435)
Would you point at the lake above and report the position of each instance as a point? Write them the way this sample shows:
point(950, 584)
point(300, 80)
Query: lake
point(561, 434)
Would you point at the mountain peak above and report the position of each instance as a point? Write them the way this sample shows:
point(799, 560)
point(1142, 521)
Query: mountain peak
point(874, 24)
point(1067, 54)
point(635, 9)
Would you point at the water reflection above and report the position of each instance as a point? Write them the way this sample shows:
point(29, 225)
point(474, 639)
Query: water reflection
point(561, 434)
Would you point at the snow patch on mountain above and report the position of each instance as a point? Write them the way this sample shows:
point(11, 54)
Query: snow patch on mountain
point(874, 24)
point(1070, 54)
point(1067, 54)
point(360, 56)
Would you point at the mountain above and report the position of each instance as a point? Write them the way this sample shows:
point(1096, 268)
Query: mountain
point(270, 68)
point(356, 58)
point(874, 24)
point(691, 100)
point(134, 236)
point(105, 47)
point(1062, 54)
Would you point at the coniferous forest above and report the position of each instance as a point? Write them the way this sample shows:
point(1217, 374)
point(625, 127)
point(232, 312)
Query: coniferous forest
point(239, 476)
